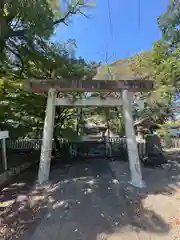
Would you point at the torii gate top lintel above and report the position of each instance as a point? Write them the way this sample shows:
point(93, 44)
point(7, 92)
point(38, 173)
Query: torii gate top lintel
point(90, 85)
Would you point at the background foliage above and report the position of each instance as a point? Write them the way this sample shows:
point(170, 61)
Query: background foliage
point(26, 51)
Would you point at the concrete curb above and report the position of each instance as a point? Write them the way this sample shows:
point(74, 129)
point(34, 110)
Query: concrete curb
point(5, 177)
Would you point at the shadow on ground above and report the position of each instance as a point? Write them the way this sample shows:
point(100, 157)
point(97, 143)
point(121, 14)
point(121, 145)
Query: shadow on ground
point(18, 157)
point(85, 201)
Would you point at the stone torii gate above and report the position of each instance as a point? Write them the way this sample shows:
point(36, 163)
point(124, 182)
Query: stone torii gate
point(126, 87)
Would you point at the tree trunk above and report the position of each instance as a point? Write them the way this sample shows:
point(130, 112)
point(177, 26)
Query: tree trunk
point(80, 123)
point(58, 113)
point(107, 120)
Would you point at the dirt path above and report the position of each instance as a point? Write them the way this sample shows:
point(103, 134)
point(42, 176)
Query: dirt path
point(82, 203)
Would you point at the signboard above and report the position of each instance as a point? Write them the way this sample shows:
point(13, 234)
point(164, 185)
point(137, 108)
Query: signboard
point(62, 85)
point(4, 134)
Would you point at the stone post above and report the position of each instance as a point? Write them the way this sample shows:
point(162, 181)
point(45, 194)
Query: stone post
point(134, 162)
point(46, 149)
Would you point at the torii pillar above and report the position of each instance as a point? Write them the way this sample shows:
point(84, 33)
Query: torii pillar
point(46, 148)
point(133, 155)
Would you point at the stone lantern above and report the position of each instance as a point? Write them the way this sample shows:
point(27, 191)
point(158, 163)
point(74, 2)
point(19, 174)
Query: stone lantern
point(154, 153)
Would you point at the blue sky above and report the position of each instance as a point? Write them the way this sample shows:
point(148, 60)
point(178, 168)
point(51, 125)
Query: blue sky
point(94, 38)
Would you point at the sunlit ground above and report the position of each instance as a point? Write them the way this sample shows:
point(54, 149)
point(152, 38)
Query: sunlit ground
point(86, 202)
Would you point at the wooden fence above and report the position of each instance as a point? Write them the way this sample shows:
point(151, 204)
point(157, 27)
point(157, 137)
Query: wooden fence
point(26, 144)
point(171, 142)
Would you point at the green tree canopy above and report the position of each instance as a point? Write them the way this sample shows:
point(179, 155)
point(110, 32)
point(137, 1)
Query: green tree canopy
point(26, 25)
point(169, 23)
point(27, 52)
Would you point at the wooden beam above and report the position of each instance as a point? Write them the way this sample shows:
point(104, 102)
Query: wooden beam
point(92, 102)
point(65, 85)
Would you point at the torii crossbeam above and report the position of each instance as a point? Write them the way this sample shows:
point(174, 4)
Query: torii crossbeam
point(78, 85)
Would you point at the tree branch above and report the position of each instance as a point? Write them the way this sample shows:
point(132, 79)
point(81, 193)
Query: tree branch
point(83, 14)
point(69, 13)
point(16, 54)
